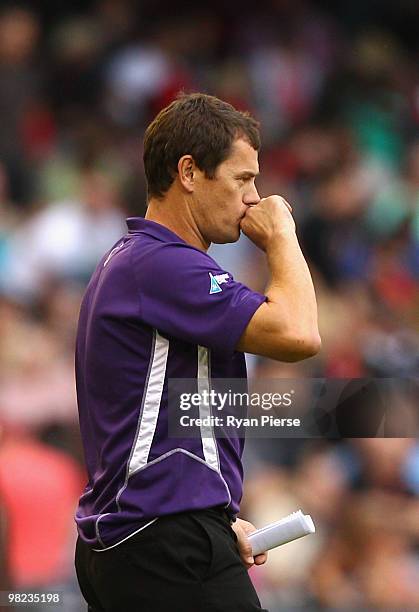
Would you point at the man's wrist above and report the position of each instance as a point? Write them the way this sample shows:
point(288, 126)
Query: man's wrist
point(279, 238)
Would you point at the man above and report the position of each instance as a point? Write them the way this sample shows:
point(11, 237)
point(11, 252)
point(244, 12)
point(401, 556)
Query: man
point(155, 519)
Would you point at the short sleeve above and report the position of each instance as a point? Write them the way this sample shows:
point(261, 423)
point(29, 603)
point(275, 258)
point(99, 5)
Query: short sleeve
point(184, 293)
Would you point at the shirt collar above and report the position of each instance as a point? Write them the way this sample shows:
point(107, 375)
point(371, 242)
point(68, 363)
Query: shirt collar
point(161, 232)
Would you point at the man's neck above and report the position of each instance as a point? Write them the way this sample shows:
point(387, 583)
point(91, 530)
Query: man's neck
point(177, 218)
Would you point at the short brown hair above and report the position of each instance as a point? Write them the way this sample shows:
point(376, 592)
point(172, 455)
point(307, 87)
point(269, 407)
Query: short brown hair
point(198, 125)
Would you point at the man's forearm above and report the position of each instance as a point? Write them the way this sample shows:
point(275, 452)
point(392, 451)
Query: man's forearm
point(291, 291)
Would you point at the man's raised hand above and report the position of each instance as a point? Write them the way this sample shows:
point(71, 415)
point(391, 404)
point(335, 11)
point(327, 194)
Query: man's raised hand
point(267, 219)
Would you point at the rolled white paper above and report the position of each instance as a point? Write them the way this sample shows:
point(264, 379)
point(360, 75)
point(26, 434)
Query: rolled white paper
point(292, 527)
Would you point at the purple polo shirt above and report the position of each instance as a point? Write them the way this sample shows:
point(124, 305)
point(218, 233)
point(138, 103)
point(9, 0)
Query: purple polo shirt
point(156, 308)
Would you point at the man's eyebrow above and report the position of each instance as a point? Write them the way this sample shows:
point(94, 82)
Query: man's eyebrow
point(247, 174)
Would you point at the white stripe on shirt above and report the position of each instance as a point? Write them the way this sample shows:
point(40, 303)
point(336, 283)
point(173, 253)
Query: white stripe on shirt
point(209, 444)
point(151, 407)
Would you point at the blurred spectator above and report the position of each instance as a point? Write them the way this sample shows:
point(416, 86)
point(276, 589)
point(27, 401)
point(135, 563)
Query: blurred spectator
point(65, 240)
point(77, 44)
point(20, 83)
point(39, 487)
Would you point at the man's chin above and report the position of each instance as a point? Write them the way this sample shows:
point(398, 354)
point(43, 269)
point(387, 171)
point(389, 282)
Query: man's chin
point(227, 239)
point(232, 236)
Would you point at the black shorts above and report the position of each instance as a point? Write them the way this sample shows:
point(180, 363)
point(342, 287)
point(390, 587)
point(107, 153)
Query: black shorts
point(186, 562)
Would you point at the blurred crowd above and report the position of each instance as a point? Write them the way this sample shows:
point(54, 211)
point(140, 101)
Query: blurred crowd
point(336, 89)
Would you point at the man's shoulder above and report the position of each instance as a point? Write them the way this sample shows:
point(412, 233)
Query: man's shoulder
point(149, 254)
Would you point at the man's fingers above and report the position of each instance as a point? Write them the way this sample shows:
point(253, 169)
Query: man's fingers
point(243, 529)
point(245, 549)
point(261, 559)
point(280, 197)
point(286, 204)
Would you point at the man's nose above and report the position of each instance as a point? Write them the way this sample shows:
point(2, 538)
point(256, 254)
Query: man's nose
point(252, 197)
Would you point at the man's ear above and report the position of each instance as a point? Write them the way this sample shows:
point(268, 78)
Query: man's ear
point(186, 172)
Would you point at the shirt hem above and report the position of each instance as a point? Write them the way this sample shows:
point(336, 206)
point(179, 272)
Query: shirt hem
point(126, 537)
